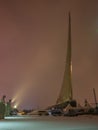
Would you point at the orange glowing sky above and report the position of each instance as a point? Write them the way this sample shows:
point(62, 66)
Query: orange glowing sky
point(33, 39)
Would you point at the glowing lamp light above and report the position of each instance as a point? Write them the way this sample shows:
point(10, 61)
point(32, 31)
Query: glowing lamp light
point(15, 106)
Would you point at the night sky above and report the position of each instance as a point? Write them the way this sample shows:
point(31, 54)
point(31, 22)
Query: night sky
point(33, 41)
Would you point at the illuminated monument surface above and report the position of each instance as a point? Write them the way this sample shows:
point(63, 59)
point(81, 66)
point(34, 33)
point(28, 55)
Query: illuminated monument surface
point(66, 89)
point(66, 95)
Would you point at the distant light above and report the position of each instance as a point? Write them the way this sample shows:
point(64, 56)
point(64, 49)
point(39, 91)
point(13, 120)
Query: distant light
point(15, 106)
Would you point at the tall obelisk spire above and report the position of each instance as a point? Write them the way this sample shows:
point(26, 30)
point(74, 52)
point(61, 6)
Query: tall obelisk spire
point(66, 89)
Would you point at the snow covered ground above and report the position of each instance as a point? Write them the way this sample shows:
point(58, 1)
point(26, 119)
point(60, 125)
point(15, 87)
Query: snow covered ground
point(50, 123)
